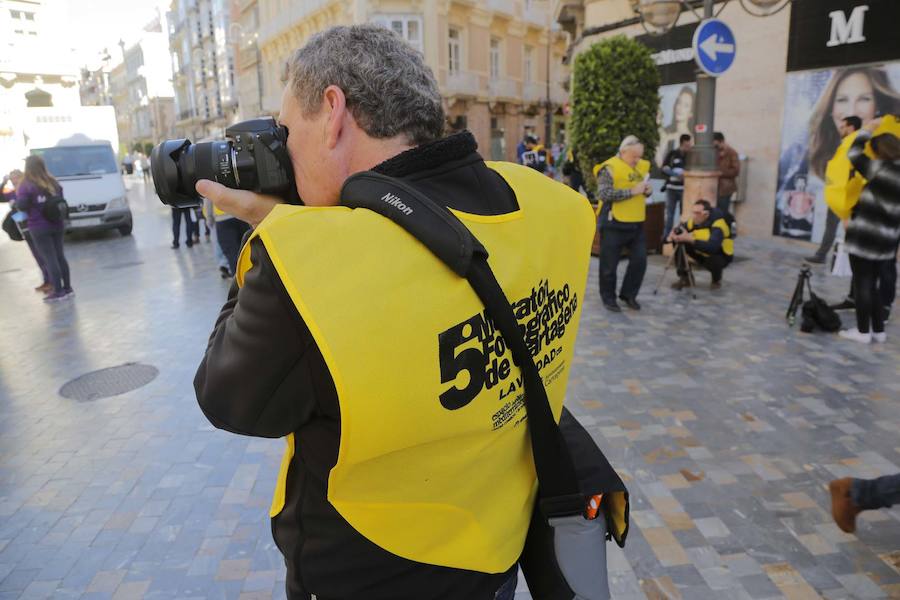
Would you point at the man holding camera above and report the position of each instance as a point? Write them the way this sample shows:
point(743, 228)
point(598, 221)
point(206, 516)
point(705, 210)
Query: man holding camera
point(404, 478)
point(706, 240)
point(623, 187)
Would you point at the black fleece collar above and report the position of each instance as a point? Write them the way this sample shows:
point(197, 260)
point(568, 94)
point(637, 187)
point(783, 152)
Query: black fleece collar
point(429, 156)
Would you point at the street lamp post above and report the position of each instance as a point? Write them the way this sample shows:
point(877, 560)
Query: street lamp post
point(659, 17)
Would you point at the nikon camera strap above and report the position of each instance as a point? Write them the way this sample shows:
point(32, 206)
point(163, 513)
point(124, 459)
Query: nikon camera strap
point(450, 240)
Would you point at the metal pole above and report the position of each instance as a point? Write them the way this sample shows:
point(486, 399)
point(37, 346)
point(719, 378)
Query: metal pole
point(548, 107)
point(703, 155)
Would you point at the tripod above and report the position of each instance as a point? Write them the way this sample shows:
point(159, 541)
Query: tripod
point(678, 257)
point(797, 298)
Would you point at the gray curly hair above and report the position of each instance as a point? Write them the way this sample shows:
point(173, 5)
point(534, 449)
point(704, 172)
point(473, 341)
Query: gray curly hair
point(390, 90)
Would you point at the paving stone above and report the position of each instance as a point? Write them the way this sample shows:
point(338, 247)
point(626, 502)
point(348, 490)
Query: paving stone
point(726, 423)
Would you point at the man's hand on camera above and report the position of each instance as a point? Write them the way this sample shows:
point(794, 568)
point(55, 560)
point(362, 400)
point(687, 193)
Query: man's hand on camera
point(246, 206)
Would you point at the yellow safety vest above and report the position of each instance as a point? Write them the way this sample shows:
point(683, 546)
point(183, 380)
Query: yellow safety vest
point(625, 177)
point(435, 461)
point(841, 191)
point(702, 234)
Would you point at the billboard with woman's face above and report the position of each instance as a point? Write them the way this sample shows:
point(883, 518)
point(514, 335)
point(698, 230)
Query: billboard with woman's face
point(815, 104)
point(676, 116)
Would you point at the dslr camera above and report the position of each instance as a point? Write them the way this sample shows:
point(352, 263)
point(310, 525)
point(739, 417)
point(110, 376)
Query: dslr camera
point(678, 229)
point(253, 157)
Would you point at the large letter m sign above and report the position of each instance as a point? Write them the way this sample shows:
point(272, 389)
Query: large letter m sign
point(847, 31)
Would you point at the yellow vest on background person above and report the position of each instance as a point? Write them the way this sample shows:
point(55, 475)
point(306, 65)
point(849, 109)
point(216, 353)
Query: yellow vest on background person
point(625, 177)
point(435, 461)
point(702, 234)
point(841, 190)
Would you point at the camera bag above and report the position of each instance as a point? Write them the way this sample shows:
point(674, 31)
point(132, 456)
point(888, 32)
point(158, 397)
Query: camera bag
point(564, 557)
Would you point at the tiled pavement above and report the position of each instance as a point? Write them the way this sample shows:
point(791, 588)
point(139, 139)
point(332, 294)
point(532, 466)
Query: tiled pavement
point(726, 425)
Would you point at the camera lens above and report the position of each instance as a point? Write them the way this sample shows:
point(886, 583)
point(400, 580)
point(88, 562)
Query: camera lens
point(177, 165)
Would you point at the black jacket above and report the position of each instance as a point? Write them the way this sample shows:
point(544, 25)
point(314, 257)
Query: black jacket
point(263, 375)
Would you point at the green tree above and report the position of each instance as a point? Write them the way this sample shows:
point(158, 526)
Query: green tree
point(615, 94)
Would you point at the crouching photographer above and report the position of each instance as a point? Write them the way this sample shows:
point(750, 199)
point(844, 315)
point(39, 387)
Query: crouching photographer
point(706, 240)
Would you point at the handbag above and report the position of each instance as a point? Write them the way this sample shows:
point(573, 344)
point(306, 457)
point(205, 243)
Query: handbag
point(564, 557)
point(10, 227)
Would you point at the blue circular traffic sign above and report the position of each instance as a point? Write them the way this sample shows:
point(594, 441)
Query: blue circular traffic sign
point(714, 47)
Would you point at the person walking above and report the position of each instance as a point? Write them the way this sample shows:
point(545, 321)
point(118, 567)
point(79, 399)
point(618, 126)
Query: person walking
point(851, 496)
point(230, 232)
point(37, 188)
point(177, 215)
point(622, 188)
point(874, 228)
point(729, 167)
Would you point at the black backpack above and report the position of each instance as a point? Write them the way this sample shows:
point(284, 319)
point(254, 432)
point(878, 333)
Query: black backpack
point(817, 313)
point(55, 208)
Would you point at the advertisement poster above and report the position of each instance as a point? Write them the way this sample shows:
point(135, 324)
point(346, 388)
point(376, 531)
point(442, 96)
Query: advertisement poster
point(676, 116)
point(815, 101)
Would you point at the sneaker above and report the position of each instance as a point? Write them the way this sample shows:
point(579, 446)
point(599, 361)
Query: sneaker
point(815, 259)
point(54, 297)
point(843, 511)
point(856, 335)
point(879, 338)
point(69, 292)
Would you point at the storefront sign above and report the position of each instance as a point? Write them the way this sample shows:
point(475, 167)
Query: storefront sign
point(673, 54)
point(834, 33)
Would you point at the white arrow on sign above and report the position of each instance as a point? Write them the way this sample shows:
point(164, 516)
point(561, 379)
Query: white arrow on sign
point(712, 47)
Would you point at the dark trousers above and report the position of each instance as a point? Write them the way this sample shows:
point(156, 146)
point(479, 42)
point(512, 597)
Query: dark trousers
point(831, 225)
point(887, 282)
point(673, 209)
point(49, 245)
point(869, 494)
point(37, 257)
point(723, 203)
point(714, 263)
point(230, 233)
point(613, 239)
point(177, 214)
point(869, 309)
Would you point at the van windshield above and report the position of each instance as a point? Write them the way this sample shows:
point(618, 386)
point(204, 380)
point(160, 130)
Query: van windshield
point(69, 161)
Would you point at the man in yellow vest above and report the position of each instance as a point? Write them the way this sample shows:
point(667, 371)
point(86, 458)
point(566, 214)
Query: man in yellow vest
point(622, 187)
point(408, 472)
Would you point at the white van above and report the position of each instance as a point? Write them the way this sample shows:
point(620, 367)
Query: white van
point(92, 185)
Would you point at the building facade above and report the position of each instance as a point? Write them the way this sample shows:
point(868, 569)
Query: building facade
point(141, 90)
point(249, 64)
point(202, 36)
point(34, 71)
point(795, 74)
point(490, 58)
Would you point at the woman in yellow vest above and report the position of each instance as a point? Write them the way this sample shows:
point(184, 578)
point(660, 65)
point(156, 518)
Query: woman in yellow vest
point(408, 472)
point(622, 189)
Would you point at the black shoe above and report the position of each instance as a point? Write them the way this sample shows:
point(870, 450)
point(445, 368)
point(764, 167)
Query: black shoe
point(174, 245)
point(612, 307)
point(630, 303)
point(815, 259)
point(224, 272)
point(845, 304)
point(189, 243)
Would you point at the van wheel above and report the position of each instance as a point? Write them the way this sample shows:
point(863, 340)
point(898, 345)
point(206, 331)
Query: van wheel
point(125, 229)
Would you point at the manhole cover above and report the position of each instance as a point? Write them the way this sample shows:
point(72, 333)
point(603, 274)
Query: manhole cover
point(109, 382)
point(124, 265)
